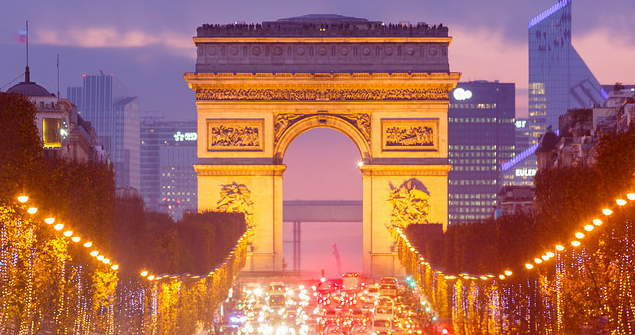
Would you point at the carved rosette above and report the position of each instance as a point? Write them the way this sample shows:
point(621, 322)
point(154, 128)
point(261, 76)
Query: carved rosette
point(361, 121)
point(322, 94)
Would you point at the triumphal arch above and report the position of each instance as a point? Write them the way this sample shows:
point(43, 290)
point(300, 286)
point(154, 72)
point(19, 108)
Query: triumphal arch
point(385, 86)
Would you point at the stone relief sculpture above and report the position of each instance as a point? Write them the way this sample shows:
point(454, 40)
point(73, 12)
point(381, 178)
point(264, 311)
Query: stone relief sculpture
point(283, 121)
point(234, 134)
point(236, 198)
point(410, 204)
point(328, 94)
point(409, 136)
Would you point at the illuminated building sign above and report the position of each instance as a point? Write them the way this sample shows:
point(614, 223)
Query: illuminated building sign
point(179, 136)
point(461, 94)
point(521, 123)
point(525, 172)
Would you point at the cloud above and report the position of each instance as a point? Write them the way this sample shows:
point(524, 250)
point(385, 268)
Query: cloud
point(106, 37)
point(608, 55)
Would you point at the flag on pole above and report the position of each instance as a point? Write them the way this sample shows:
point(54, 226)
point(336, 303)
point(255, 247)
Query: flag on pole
point(22, 36)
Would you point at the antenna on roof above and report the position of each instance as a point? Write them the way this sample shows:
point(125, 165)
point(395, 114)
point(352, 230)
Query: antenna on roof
point(58, 76)
point(27, 73)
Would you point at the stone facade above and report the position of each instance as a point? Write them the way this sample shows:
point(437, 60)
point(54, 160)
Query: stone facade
point(258, 87)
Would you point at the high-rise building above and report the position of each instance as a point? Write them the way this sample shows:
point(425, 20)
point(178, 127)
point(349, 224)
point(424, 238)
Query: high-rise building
point(168, 154)
point(103, 101)
point(558, 77)
point(522, 173)
point(481, 136)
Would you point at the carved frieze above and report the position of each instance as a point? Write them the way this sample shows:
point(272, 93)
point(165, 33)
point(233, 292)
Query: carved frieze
point(410, 134)
point(235, 134)
point(283, 121)
point(322, 94)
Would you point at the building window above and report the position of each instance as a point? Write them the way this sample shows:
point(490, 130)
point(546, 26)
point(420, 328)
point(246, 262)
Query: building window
point(51, 135)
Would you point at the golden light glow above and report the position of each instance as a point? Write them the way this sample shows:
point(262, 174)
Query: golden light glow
point(49, 220)
point(508, 273)
point(607, 211)
point(631, 196)
point(360, 164)
point(150, 277)
point(88, 244)
point(32, 210)
point(144, 273)
point(58, 226)
point(550, 254)
point(501, 277)
point(68, 233)
point(115, 267)
point(589, 227)
point(75, 239)
point(106, 260)
point(537, 260)
point(544, 257)
point(23, 198)
point(559, 247)
point(579, 235)
point(484, 277)
point(94, 253)
point(529, 266)
point(575, 243)
point(100, 257)
point(449, 277)
point(621, 202)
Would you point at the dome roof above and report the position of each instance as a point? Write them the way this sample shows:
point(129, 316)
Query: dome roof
point(548, 141)
point(28, 88)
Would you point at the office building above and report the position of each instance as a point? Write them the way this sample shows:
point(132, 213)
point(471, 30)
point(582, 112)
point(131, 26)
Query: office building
point(103, 101)
point(168, 155)
point(481, 136)
point(558, 77)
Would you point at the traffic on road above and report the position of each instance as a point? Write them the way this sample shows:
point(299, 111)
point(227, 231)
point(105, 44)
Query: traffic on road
point(350, 305)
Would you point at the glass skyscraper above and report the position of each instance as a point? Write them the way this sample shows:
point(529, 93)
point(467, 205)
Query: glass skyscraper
point(481, 136)
point(103, 101)
point(168, 154)
point(558, 78)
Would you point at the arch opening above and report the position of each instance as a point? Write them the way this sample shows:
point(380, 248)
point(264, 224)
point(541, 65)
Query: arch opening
point(322, 175)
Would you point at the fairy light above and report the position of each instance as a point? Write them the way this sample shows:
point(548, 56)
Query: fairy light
point(579, 235)
point(23, 198)
point(75, 239)
point(106, 260)
point(597, 222)
point(58, 226)
point(68, 233)
point(537, 260)
point(508, 273)
point(144, 273)
point(150, 277)
point(621, 202)
point(630, 196)
point(49, 220)
point(589, 227)
point(607, 211)
point(94, 253)
point(544, 257)
point(575, 243)
point(100, 257)
point(559, 247)
point(115, 267)
point(32, 210)
point(88, 244)
point(529, 266)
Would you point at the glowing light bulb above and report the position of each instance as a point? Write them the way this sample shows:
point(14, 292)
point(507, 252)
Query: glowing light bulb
point(23, 198)
point(49, 220)
point(150, 277)
point(575, 243)
point(537, 260)
point(597, 222)
point(501, 277)
point(94, 253)
point(75, 239)
point(559, 247)
point(544, 257)
point(144, 273)
point(58, 226)
point(529, 266)
point(115, 267)
point(630, 196)
point(589, 227)
point(621, 202)
point(106, 260)
point(607, 211)
point(32, 210)
point(100, 257)
point(483, 277)
point(579, 235)
point(550, 254)
point(360, 164)
point(508, 273)
point(88, 244)
point(68, 233)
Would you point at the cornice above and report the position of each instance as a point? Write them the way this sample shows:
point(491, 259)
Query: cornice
point(275, 39)
point(240, 170)
point(405, 170)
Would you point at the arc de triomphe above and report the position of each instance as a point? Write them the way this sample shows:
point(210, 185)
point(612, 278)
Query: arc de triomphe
point(384, 86)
